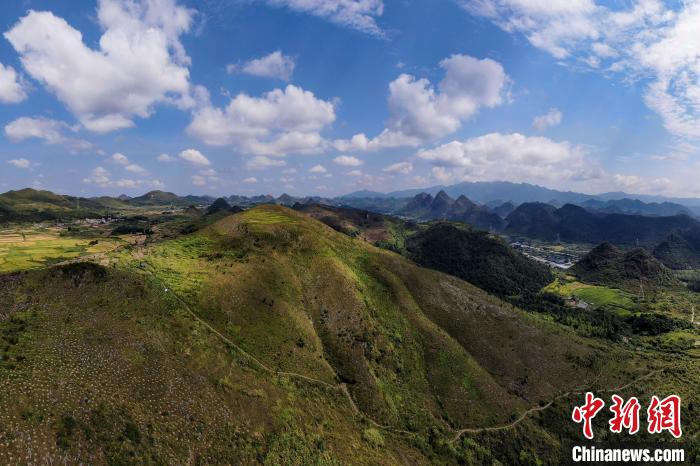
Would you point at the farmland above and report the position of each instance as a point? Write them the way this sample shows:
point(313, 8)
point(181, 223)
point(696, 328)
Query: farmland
point(32, 248)
point(597, 296)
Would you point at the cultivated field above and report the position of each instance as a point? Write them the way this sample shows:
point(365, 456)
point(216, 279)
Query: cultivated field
point(37, 247)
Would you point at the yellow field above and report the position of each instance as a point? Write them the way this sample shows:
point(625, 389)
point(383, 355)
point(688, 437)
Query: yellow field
point(29, 249)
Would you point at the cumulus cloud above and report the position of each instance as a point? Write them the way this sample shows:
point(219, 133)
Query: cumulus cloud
point(98, 176)
point(120, 159)
point(642, 39)
point(137, 169)
point(51, 131)
point(510, 157)
point(403, 168)
point(102, 178)
point(261, 162)
point(48, 130)
point(194, 157)
point(166, 158)
point(553, 117)
point(282, 121)
point(275, 65)
point(360, 15)
point(11, 89)
point(198, 180)
point(139, 61)
point(421, 112)
point(318, 169)
point(20, 163)
point(347, 161)
point(251, 180)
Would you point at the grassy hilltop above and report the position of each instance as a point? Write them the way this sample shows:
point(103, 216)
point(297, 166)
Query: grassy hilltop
point(268, 337)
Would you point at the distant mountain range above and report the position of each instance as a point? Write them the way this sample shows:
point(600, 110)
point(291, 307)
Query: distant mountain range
point(665, 227)
point(426, 207)
point(501, 191)
point(573, 223)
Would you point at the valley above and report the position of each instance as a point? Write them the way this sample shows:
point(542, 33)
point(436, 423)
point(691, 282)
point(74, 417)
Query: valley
point(318, 334)
point(349, 232)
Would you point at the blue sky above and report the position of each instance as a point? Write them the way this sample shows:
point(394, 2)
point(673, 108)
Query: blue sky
point(326, 97)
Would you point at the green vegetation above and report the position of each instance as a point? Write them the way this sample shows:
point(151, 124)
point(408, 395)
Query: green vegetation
point(680, 249)
point(632, 271)
point(29, 205)
point(266, 337)
point(30, 248)
point(479, 258)
point(596, 296)
point(575, 224)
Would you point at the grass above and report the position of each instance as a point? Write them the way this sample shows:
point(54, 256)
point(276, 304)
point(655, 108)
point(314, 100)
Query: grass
point(135, 381)
point(104, 367)
point(597, 296)
point(32, 248)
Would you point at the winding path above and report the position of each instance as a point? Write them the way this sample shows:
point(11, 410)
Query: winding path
point(529, 412)
point(342, 388)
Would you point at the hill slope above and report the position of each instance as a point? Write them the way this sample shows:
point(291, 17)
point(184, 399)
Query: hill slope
point(680, 249)
point(27, 205)
point(268, 337)
point(609, 266)
point(479, 258)
point(442, 207)
point(576, 224)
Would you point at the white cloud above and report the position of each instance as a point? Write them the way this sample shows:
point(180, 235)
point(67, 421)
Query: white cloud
point(360, 15)
point(403, 168)
point(347, 161)
point(354, 173)
point(137, 169)
point(194, 157)
point(551, 118)
point(275, 65)
point(166, 158)
point(278, 123)
point(102, 178)
point(51, 131)
point(645, 40)
point(120, 159)
point(98, 176)
point(261, 162)
point(420, 112)
point(206, 177)
point(552, 25)
point(48, 130)
point(511, 157)
point(11, 89)
point(318, 169)
point(139, 63)
point(199, 180)
point(672, 157)
point(251, 180)
point(20, 163)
